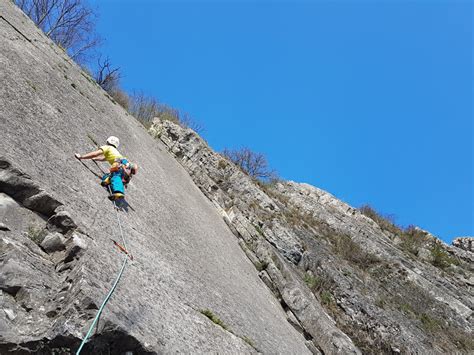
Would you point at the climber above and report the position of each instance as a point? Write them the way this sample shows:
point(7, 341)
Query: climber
point(121, 170)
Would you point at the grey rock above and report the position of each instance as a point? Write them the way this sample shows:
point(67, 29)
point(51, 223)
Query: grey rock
point(466, 243)
point(75, 246)
point(185, 257)
point(42, 203)
point(10, 314)
point(4, 227)
point(314, 350)
point(53, 242)
point(18, 218)
point(294, 321)
point(268, 281)
point(61, 222)
point(289, 215)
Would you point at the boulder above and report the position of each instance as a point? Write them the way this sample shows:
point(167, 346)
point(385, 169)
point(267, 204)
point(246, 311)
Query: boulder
point(53, 242)
point(61, 222)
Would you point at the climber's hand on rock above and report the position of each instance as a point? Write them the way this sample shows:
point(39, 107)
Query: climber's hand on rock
point(78, 156)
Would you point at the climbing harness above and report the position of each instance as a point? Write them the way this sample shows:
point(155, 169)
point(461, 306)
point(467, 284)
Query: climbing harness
point(127, 255)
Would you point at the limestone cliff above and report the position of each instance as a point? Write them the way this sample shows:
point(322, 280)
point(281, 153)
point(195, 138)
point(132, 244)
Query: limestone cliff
point(390, 290)
point(57, 258)
point(221, 264)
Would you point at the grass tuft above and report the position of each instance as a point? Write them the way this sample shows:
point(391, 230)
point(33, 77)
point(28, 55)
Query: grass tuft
point(36, 233)
point(215, 319)
point(441, 258)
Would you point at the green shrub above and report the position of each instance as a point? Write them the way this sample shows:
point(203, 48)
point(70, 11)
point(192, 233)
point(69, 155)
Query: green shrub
point(412, 237)
point(406, 308)
point(429, 323)
point(441, 258)
point(222, 164)
point(258, 229)
point(312, 281)
point(267, 187)
point(326, 298)
point(381, 302)
point(260, 266)
point(36, 233)
point(349, 250)
point(385, 222)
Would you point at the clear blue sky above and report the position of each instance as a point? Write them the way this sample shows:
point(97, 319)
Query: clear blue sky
point(369, 100)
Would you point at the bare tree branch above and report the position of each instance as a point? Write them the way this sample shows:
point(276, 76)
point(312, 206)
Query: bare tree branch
point(146, 108)
point(69, 23)
point(254, 164)
point(106, 76)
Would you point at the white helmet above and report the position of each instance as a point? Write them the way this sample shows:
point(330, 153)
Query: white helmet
point(114, 141)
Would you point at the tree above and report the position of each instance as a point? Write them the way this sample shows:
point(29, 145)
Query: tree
point(146, 108)
point(69, 23)
point(254, 164)
point(107, 77)
point(187, 121)
point(143, 107)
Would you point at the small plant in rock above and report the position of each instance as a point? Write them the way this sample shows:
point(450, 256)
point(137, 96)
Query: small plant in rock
point(253, 205)
point(349, 250)
point(312, 281)
point(269, 189)
point(407, 308)
point(36, 233)
point(381, 302)
point(326, 298)
point(441, 258)
point(385, 222)
point(259, 230)
point(260, 266)
point(412, 239)
point(429, 323)
point(222, 164)
point(215, 319)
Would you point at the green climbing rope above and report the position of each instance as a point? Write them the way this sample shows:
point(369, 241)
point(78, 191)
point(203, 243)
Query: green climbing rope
point(117, 279)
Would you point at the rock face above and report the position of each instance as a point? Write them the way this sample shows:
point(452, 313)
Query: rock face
point(345, 278)
point(222, 264)
point(57, 259)
point(466, 243)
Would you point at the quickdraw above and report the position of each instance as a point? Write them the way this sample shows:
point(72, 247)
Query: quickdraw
point(122, 249)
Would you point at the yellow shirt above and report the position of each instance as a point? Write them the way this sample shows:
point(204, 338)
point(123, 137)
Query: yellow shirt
point(110, 153)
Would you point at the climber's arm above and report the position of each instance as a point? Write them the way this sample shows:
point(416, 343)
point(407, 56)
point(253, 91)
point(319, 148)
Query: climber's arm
point(92, 155)
point(99, 158)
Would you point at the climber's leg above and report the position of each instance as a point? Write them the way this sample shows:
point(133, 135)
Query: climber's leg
point(105, 181)
point(116, 184)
